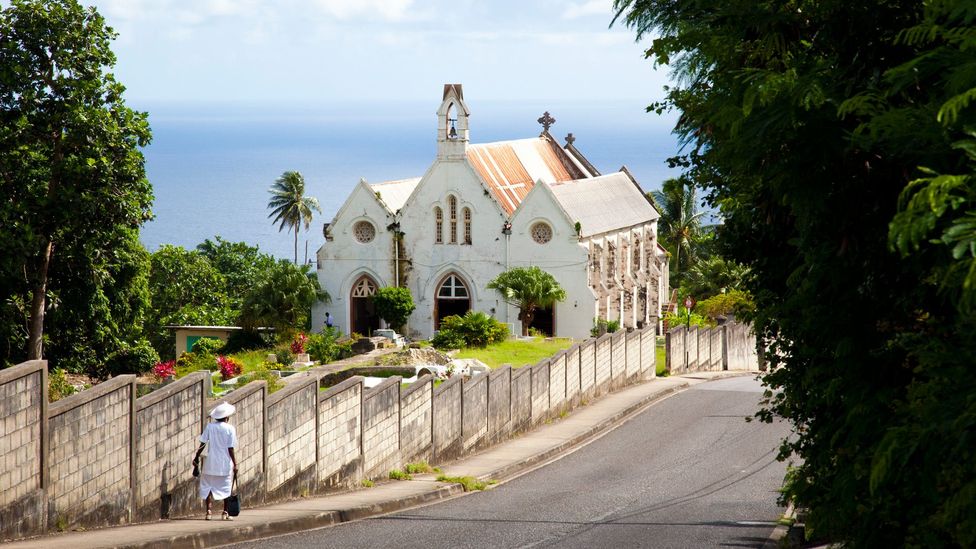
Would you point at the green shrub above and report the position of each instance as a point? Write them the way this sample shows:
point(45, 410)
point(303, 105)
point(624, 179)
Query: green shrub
point(420, 468)
point(191, 362)
point(136, 359)
point(285, 357)
point(469, 484)
point(263, 373)
point(603, 326)
point(394, 305)
point(474, 329)
point(325, 347)
point(397, 474)
point(208, 346)
point(729, 303)
point(58, 386)
point(683, 319)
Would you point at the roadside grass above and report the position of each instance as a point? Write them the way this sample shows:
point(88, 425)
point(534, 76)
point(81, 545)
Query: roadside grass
point(397, 474)
point(420, 467)
point(366, 483)
point(659, 361)
point(517, 352)
point(470, 484)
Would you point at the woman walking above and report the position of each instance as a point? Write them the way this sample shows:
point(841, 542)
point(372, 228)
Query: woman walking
point(220, 468)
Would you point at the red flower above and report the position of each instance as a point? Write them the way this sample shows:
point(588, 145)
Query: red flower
point(164, 370)
point(298, 345)
point(228, 367)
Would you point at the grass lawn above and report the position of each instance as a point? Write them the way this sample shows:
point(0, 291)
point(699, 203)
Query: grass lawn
point(659, 360)
point(517, 352)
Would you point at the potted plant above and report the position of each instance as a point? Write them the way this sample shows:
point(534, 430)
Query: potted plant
point(298, 347)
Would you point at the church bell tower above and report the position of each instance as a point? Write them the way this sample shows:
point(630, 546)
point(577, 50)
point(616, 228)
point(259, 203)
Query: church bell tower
point(452, 124)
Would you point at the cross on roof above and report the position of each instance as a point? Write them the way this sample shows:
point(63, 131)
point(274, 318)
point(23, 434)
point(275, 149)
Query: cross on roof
point(570, 139)
point(546, 120)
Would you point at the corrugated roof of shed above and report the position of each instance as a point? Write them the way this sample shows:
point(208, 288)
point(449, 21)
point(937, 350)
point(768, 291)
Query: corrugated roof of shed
point(605, 203)
point(511, 168)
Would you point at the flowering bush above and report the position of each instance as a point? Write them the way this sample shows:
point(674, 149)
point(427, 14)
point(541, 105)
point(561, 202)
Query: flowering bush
point(164, 370)
point(298, 344)
point(228, 367)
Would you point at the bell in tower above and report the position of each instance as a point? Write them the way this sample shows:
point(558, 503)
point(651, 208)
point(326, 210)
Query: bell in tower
point(452, 124)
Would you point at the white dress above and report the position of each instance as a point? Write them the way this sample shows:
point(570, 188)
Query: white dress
point(217, 473)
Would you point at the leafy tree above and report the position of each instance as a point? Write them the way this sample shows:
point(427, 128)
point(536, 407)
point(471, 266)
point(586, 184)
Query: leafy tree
point(282, 299)
point(474, 329)
point(71, 173)
point(394, 305)
point(186, 290)
point(529, 289)
point(714, 275)
point(289, 205)
point(240, 264)
point(808, 124)
point(680, 222)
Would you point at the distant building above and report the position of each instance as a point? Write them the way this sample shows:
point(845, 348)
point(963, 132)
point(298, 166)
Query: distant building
point(482, 208)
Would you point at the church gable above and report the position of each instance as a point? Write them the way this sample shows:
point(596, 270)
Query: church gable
point(361, 215)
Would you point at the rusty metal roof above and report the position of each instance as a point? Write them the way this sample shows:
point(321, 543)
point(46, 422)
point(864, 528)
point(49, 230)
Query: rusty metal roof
point(511, 168)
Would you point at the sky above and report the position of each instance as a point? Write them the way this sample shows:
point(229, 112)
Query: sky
point(317, 51)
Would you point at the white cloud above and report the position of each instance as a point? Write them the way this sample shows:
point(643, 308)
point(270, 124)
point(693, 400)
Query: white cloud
point(588, 8)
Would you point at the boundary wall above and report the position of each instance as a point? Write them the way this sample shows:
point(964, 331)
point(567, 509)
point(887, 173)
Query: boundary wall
point(731, 346)
point(103, 457)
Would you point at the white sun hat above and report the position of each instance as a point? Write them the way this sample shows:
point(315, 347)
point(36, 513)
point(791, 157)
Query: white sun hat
point(223, 410)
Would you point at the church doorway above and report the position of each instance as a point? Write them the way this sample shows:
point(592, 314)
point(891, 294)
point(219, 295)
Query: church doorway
point(453, 298)
point(362, 314)
point(545, 320)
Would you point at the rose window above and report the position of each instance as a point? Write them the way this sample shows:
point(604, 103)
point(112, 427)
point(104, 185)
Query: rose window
point(364, 231)
point(541, 233)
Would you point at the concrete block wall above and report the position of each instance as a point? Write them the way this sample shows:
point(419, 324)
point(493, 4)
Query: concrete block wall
point(573, 376)
point(340, 436)
point(540, 392)
point(292, 421)
point(603, 348)
point(587, 359)
point(618, 359)
point(23, 449)
point(521, 399)
point(557, 384)
point(381, 428)
point(731, 346)
point(416, 420)
point(648, 353)
point(633, 354)
point(474, 413)
point(112, 458)
point(500, 404)
point(168, 426)
point(447, 420)
point(91, 456)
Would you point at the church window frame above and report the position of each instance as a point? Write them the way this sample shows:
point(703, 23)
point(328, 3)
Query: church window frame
point(364, 232)
point(541, 232)
point(453, 287)
point(438, 225)
point(466, 213)
point(452, 211)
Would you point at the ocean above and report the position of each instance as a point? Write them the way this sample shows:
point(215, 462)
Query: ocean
point(211, 165)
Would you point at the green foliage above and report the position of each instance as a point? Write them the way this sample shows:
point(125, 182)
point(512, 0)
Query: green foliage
point(366, 483)
point(282, 299)
point(263, 373)
point(517, 352)
point(285, 358)
point(474, 329)
point(470, 484)
point(188, 363)
point(420, 467)
point(58, 386)
point(680, 223)
point(240, 264)
point(73, 183)
point(208, 345)
point(683, 318)
point(394, 305)
point(136, 359)
point(733, 302)
point(289, 206)
point(529, 289)
point(713, 275)
point(246, 340)
point(324, 346)
point(833, 136)
point(397, 474)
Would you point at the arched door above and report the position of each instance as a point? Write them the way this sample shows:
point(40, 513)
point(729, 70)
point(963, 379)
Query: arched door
point(453, 298)
point(362, 314)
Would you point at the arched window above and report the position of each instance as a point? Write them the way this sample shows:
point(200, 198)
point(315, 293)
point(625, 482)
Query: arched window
point(467, 226)
point(452, 288)
point(438, 225)
point(452, 298)
point(452, 207)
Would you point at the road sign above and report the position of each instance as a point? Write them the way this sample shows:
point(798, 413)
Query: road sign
point(689, 303)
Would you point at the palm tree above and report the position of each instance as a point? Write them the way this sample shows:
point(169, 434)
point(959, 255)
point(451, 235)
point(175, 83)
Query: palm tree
point(529, 289)
point(290, 206)
point(680, 219)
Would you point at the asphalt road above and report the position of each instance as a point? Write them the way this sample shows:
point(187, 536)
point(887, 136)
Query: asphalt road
point(688, 472)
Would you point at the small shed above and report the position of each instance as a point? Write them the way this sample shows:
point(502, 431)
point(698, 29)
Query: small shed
point(187, 336)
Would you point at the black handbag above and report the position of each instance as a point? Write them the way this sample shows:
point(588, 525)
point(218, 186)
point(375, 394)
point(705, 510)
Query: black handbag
point(234, 501)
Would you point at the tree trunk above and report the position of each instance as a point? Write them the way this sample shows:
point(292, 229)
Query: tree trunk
point(296, 245)
point(526, 317)
point(35, 336)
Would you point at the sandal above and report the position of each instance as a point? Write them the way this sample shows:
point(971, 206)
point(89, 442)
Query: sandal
point(225, 516)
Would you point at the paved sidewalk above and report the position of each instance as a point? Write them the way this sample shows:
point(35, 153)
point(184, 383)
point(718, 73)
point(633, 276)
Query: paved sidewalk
point(499, 462)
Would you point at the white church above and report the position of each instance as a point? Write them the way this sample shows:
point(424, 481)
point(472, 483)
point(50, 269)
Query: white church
point(481, 209)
